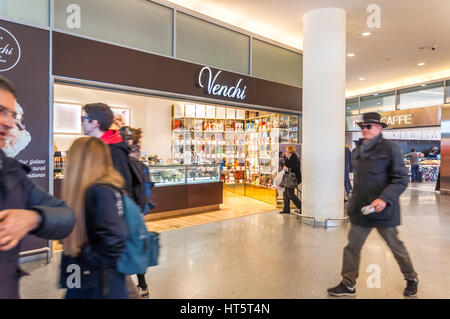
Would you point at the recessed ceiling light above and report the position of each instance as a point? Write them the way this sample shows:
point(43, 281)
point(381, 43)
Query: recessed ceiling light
point(376, 94)
point(421, 64)
point(351, 54)
point(423, 85)
point(361, 79)
point(366, 34)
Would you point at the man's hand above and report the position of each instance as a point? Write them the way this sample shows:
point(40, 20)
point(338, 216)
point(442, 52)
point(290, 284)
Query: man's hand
point(379, 205)
point(285, 168)
point(14, 225)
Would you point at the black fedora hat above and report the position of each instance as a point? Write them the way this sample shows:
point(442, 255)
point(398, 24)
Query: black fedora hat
point(372, 118)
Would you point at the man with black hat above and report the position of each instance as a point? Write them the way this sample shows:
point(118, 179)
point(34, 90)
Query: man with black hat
point(379, 178)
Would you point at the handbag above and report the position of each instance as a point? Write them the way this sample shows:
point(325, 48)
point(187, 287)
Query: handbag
point(289, 181)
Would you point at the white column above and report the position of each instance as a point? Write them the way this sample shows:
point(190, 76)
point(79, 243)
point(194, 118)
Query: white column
point(323, 119)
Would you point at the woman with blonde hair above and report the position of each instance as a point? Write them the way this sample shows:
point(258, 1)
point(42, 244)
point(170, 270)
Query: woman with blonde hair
point(98, 239)
point(291, 165)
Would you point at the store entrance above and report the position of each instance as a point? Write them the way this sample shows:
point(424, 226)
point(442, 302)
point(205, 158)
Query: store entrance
point(189, 147)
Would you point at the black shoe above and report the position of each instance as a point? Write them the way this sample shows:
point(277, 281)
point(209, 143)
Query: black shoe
point(283, 212)
point(411, 288)
point(298, 211)
point(341, 290)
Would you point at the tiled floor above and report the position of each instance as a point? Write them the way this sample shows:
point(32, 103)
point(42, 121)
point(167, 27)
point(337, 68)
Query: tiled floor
point(275, 256)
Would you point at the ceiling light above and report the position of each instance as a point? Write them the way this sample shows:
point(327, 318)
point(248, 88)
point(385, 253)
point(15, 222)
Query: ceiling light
point(421, 64)
point(376, 94)
point(361, 79)
point(366, 34)
point(423, 85)
point(351, 54)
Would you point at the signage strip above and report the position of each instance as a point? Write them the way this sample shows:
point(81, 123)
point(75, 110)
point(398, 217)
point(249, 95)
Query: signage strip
point(164, 94)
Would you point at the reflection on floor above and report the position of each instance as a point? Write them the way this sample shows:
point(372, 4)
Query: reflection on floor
point(276, 256)
point(234, 206)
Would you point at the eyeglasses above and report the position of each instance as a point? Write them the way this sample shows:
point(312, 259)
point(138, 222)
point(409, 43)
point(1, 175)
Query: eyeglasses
point(367, 126)
point(4, 111)
point(84, 118)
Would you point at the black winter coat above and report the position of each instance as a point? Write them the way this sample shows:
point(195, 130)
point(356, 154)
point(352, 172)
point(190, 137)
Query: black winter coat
point(293, 163)
point(379, 173)
point(119, 155)
point(106, 231)
point(17, 191)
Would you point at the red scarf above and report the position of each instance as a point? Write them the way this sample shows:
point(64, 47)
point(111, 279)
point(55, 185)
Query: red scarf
point(111, 137)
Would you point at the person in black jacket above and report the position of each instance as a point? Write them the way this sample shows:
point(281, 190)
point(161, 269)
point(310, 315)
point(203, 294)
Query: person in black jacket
point(92, 188)
point(24, 207)
point(291, 164)
point(379, 179)
point(348, 170)
point(97, 120)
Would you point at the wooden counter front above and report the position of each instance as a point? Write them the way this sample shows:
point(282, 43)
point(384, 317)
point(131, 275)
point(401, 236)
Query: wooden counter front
point(168, 198)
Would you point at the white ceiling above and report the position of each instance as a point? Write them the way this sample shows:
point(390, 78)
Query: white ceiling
point(386, 59)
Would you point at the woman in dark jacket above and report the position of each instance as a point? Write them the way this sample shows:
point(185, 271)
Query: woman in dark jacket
point(291, 164)
point(91, 252)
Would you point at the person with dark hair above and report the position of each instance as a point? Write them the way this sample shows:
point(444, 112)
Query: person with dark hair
point(142, 187)
point(96, 121)
point(414, 162)
point(25, 208)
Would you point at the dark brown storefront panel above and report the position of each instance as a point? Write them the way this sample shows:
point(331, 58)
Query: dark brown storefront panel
point(205, 194)
point(169, 198)
point(24, 59)
point(80, 58)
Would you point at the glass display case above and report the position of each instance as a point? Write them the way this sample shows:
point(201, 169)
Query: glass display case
point(207, 173)
point(168, 175)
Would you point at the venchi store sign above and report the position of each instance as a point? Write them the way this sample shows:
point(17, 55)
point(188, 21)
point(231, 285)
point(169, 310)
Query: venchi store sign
point(420, 117)
point(213, 85)
point(9, 50)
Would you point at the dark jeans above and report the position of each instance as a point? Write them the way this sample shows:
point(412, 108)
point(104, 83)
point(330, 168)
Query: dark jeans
point(116, 289)
point(356, 238)
point(288, 195)
point(415, 173)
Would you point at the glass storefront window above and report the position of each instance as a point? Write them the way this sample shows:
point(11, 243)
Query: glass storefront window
point(351, 106)
point(26, 11)
point(422, 95)
point(138, 24)
point(379, 102)
point(206, 43)
point(276, 64)
point(447, 85)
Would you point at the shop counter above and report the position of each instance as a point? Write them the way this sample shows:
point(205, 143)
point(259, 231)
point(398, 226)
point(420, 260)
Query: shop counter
point(179, 187)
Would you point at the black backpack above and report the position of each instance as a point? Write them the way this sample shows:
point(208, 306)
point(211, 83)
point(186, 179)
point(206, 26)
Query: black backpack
point(138, 180)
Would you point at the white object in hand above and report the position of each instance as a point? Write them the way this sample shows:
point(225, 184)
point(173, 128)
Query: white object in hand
point(366, 210)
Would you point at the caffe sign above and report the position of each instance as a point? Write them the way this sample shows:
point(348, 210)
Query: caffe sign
point(9, 50)
point(420, 117)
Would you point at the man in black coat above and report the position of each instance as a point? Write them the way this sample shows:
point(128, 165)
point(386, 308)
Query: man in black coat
point(379, 179)
point(97, 119)
point(24, 207)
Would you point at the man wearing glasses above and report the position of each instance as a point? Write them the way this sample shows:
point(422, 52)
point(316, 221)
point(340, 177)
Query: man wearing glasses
point(380, 178)
point(24, 206)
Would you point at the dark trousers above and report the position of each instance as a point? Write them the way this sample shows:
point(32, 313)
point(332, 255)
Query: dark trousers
point(356, 238)
point(415, 173)
point(116, 289)
point(141, 281)
point(288, 195)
